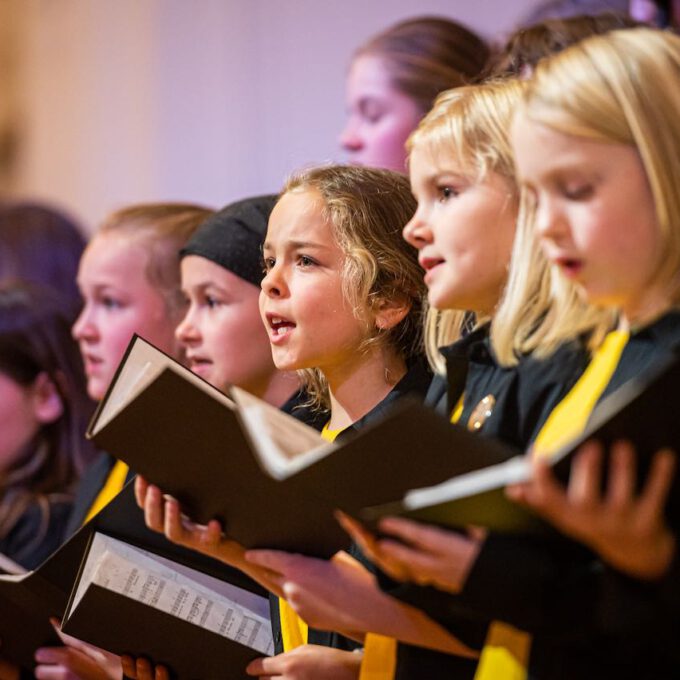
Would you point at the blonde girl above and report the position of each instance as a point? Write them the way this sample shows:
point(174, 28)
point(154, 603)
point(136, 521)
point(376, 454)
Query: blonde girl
point(129, 281)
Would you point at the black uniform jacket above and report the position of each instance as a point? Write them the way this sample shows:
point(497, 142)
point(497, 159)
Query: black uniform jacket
point(36, 534)
point(587, 620)
point(524, 395)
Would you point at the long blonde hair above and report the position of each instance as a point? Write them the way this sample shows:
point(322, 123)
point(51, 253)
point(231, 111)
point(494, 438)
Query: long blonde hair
point(470, 124)
point(619, 88)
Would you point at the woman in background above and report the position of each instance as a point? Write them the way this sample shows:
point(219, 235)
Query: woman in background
point(394, 79)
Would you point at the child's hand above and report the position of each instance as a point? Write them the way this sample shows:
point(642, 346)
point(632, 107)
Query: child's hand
point(627, 530)
point(343, 596)
point(142, 669)
point(308, 662)
point(329, 595)
point(76, 660)
point(162, 513)
point(424, 554)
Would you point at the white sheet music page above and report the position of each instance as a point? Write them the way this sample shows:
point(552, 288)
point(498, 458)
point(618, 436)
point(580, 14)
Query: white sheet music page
point(177, 590)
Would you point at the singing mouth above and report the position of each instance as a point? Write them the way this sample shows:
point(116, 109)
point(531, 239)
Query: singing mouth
point(91, 363)
point(196, 362)
point(429, 263)
point(279, 326)
point(570, 266)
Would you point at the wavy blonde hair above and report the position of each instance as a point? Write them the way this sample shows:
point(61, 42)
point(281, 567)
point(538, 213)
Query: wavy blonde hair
point(619, 88)
point(367, 209)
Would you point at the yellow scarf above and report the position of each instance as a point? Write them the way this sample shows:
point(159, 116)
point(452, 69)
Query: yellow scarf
point(112, 487)
point(294, 631)
point(380, 652)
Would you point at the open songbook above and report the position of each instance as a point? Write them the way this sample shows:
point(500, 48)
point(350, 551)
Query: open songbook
point(272, 481)
point(280, 444)
point(27, 601)
point(130, 600)
point(642, 411)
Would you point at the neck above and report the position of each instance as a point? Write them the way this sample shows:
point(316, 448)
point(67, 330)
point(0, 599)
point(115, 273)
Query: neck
point(276, 388)
point(646, 309)
point(355, 390)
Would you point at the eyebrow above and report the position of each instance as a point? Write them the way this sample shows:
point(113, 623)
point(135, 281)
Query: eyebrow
point(295, 245)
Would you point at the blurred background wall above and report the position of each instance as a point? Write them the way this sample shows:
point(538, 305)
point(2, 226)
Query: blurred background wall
point(109, 102)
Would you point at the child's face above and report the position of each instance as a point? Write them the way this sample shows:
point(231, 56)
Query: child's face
point(222, 332)
point(380, 118)
point(464, 229)
point(118, 301)
point(595, 214)
point(310, 323)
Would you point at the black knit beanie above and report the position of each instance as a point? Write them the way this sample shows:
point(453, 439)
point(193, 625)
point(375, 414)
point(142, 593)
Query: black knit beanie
point(233, 237)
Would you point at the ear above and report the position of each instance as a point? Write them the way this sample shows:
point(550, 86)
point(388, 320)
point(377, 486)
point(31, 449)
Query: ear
point(48, 405)
point(390, 313)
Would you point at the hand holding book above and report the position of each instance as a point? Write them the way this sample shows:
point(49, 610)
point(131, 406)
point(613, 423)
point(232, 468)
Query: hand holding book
point(76, 659)
point(423, 554)
point(627, 529)
point(143, 669)
point(342, 595)
point(162, 514)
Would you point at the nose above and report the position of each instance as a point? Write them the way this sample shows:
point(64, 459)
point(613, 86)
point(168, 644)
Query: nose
point(186, 331)
point(417, 231)
point(84, 327)
point(273, 284)
point(549, 222)
point(350, 139)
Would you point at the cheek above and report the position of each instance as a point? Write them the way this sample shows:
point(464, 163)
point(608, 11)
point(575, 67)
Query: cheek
point(386, 145)
point(116, 337)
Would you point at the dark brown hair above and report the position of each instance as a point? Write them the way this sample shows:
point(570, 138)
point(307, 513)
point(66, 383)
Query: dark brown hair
point(528, 45)
point(41, 245)
point(427, 55)
point(35, 338)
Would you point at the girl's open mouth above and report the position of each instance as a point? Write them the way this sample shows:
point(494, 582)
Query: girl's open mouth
point(279, 326)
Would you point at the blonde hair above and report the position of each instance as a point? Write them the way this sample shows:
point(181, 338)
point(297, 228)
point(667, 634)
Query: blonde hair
point(470, 124)
point(162, 229)
point(619, 88)
point(367, 209)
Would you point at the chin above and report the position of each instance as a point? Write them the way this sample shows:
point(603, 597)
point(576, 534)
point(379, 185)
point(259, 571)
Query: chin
point(286, 363)
point(95, 391)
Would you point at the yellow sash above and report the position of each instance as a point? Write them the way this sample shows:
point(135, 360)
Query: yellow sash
point(294, 631)
point(568, 419)
point(112, 487)
point(380, 652)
